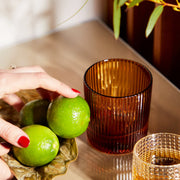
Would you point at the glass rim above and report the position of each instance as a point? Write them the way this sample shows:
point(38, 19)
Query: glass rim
point(149, 164)
point(120, 59)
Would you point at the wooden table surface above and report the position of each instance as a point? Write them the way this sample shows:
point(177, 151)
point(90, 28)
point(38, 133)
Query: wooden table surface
point(66, 55)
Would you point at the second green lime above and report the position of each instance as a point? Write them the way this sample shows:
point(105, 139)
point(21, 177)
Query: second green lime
point(34, 112)
point(68, 117)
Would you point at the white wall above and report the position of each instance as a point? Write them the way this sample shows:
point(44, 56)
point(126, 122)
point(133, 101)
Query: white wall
point(23, 20)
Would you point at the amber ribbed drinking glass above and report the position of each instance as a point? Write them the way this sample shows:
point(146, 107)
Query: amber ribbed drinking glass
point(157, 157)
point(118, 92)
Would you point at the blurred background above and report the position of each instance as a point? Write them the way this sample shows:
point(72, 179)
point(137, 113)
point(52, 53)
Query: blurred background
point(24, 20)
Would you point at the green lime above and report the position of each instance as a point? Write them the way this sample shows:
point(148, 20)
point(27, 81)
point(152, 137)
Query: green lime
point(68, 117)
point(43, 147)
point(34, 112)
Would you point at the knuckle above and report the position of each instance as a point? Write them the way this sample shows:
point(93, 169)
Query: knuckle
point(41, 76)
point(3, 79)
point(6, 131)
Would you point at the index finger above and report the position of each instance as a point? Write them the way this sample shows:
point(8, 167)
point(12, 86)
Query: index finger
point(18, 81)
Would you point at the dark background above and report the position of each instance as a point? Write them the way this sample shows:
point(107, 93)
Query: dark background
point(162, 47)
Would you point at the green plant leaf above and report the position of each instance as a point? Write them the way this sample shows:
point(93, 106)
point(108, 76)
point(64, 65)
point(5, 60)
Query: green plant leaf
point(121, 2)
point(176, 9)
point(134, 3)
point(153, 19)
point(116, 19)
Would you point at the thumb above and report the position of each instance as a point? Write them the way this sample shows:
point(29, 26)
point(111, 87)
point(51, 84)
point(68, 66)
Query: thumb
point(13, 134)
point(5, 171)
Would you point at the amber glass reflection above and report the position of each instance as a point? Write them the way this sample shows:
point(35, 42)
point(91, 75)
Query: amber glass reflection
point(118, 92)
point(157, 156)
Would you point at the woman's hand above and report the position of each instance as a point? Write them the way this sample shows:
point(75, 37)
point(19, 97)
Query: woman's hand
point(11, 81)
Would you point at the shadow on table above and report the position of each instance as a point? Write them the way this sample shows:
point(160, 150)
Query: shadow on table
point(97, 165)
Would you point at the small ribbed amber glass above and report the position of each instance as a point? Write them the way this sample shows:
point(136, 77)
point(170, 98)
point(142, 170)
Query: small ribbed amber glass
point(157, 157)
point(118, 92)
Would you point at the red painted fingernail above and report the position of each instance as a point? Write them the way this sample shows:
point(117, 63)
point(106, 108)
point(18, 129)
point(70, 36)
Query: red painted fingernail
point(6, 145)
point(23, 141)
point(76, 91)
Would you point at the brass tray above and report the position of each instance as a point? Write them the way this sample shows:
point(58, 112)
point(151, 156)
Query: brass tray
point(68, 148)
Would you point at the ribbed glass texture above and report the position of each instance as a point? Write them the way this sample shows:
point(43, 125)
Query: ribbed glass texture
point(118, 92)
point(156, 157)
